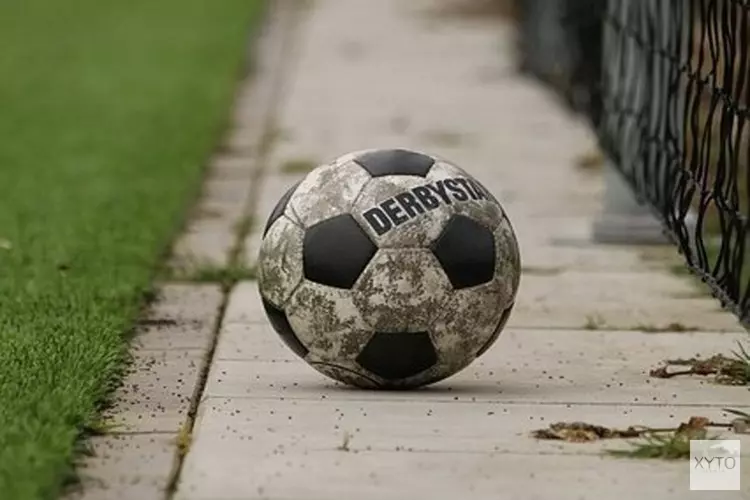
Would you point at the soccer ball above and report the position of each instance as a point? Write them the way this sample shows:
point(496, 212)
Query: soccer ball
point(388, 269)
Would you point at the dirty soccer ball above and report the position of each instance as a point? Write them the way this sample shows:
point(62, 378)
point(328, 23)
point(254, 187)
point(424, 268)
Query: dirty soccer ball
point(388, 269)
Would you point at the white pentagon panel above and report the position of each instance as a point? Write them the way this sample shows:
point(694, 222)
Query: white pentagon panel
point(401, 290)
point(288, 210)
point(327, 191)
point(280, 261)
point(327, 322)
point(467, 322)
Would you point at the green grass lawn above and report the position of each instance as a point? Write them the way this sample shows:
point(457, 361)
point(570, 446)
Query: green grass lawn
point(108, 112)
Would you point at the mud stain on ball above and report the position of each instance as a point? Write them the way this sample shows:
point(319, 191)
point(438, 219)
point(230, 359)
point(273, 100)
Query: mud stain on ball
point(316, 200)
point(402, 291)
point(327, 321)
point(469, 320)
point(280, 259)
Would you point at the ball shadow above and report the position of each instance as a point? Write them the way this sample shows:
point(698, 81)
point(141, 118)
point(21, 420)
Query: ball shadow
point(485, 389)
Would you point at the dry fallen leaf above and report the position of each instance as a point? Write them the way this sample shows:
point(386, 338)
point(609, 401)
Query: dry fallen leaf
point(581, 432)
point(726, 369)
point(694, 428)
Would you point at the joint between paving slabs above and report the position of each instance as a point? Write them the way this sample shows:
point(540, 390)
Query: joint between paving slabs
point(289, 14)
point(184, 433)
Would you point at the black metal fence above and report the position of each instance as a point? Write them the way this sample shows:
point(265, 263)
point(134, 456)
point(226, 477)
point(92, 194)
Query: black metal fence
point(666, 85)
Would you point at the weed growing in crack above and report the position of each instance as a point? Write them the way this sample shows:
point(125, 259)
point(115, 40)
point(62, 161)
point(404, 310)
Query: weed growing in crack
point(726, 370)
point(594, 322)
point(652, 443)
point(184, 439)
point(671, 327)
point(243, 226)
point(666, 446)
point(101, 426)
point(224, 275)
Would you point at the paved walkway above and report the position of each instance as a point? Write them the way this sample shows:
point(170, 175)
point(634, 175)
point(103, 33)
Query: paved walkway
point(590, 321)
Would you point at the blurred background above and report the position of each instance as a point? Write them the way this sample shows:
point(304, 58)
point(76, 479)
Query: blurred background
point(665, 84)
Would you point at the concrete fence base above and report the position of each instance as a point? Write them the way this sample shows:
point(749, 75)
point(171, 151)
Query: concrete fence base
point(622, 219)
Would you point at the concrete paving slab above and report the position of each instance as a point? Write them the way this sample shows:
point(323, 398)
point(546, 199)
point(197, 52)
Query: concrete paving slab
point(403, 475)
point(627, 316)
point(424, 426)
point(229, 166)
point(584, 285)
point(157, 392)
point(532, 231)
point(127, 467)
point(257, 101)
point(226, 197)
point(553, 203)
point(211, 230)
point(178, 336)
point(207, 242)
point(244, 305)
point(551, 260)
point(250, 341)
point(617, 300)
point(184, 302)
point(183, 317)
point(542, 366)
point(169, 349)
point(327, 70)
